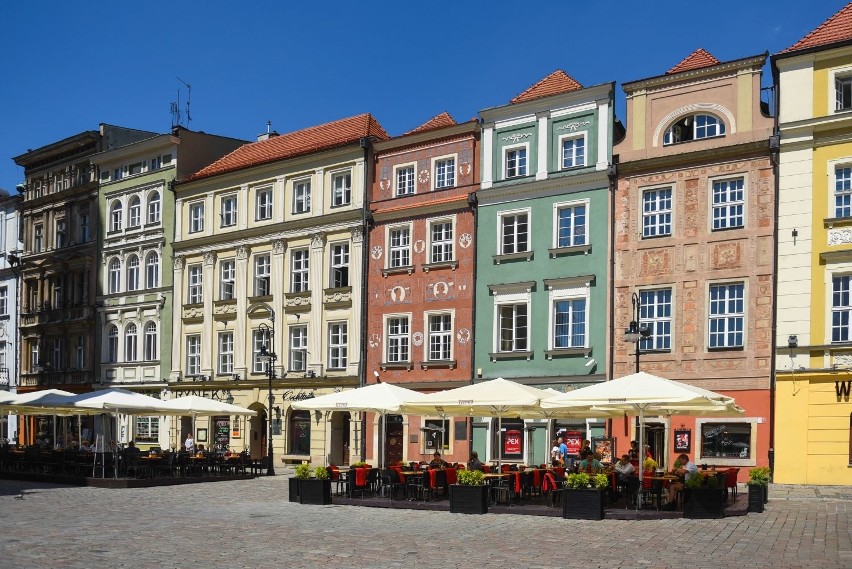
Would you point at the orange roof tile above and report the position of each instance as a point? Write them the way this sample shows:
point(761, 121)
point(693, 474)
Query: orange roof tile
point(312, 139)
point(555, 83)
point(835, 29)
point(695, 60)
point(438, 121)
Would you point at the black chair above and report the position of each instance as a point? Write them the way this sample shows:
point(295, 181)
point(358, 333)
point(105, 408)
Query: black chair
point(651, 490)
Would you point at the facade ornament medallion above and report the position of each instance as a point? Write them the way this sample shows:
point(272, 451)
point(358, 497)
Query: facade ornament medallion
point(318, 240)
point(397, 294)
point(465, 240)
point(419, 246)
point(242, 252)
point(177, 263)
point(463, 336)
point(279, 246)
point(374, 341)
point(357, 234)
point(376, 252)
point(464, 168)
point(417, 338)
point(384, 184)
point(423, 177)
point(209, 258)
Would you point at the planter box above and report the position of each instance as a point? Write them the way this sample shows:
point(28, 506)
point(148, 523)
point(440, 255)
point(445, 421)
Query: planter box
point(468, 499)
point(755, 498)
point(583, 504)
point(313, 491)
point(704, 503)
point(766, 494)
point(293, 494)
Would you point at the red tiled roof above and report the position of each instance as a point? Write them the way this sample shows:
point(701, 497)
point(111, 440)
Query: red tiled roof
point(555, 83)
point(835, 29)
point(438, 121)
point(695, 60)
point(312, 139)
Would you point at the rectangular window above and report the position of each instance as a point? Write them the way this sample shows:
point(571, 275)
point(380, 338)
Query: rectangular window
point(226, 352)
point(341, 189)
point(38, 238)
point(656, 313)
point(569, 323)
point(148, 429)
point(514, 230)
point(513, 327)
point(167, 159)
point(841, 308)
point(260, 338)
point(338, 343)
point(80, 356)
point(516, 162)
point(262, 270)
point(843, 192)
point(4, 300)
point(57, 354)
point(727, 315)
point(194, 292)
point(61, 240)
point(298, 348)
point(399, 253)
point(299, 270)
point(657, 212)
point(573, 152)
point(397, 339)
point(196, 217)
point(728, 204)
point(135, 168)
point(726, 440)
point(227, 275)
point(84, 227)
point(842, 93)
point(193, 354)
point(404, 181)
point(445, 173)
point(229, 211)
point(339, 265)
point(440, 337)
point(441, 250)
point(571, 226)
point(302, 196)
point(263, 202)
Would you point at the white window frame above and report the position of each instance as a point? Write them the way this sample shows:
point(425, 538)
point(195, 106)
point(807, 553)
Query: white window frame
point(297, 338)
point(195, 284)
point(338, 345)
point(339, 256)
point(341, 195)
point(4, 300)
point(227, 278)
point(431, 243)
point(131, 342)
point(650, 316)
point(302, 197)
point(401, 250)
point(569, 137)
point(263, 203)
point(399, 339)
point(300, 269)
point(727, 317)
point(116, 216)
point(842, 202)
point(196, 217)
point(513, 148)
point(262, 275)
point(436, 180)
point(510, 299)
point(260, 337)
point(657, 212)
point(563, 294)
point(840, 310)
point(727, 461)
point(193, 354)
point(133, 273)
point(80, 355)
point(152, 342)
point(114, 275)
point(112, 344)
point(557, 210)
point(725, 208)
point(514, 213)
point(445, 337)
point(228, 215)
point(38, 238)
point(134, 213)
point(155, 208)
point(396, 186)
point(834, 75)
point(226, 353)
point(152, 270)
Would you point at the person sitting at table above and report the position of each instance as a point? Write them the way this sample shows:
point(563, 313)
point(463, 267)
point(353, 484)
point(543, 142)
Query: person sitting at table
point(685, 472)
point(474, 463)
point(590, 463)
point(623, 468)
point(131, 449)
point(437, 461)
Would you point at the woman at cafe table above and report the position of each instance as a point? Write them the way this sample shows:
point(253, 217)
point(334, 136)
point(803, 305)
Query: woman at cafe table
point(437, 461)
point(683, 473)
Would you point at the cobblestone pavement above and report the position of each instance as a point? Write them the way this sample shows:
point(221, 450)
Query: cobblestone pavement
point(251, 524)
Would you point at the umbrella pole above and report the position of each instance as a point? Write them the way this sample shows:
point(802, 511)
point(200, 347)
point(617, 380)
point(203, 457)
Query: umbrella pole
point(500, 444)
point(641, 455)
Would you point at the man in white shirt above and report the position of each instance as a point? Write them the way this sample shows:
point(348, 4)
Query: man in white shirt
point(624, 468)
point(189, 444)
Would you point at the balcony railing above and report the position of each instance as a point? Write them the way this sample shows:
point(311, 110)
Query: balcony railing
point(44, 314)
point(54, 377)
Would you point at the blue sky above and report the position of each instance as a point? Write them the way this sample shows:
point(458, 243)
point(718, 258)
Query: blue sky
point(69, 66)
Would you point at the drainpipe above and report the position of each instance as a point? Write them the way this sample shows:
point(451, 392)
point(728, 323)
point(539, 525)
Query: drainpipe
point(774, 156)
point(612, 174)
point(366, 222)
point(473, 203)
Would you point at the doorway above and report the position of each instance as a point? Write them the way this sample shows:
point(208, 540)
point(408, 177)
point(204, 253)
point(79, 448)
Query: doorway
point(257, 432)
point(393, 439)
point(338, 452)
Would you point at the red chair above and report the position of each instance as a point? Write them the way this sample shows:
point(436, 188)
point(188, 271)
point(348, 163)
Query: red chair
point(731, 482)
point(486, 468)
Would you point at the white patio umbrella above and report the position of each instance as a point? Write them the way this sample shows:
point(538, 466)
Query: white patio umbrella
point(42, 402)
point(495, 398)
point(382, 398)
point(197, 406)
point(640, 393)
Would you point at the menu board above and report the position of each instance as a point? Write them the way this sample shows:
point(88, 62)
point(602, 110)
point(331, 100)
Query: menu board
point(605, 447)
point(222, 432)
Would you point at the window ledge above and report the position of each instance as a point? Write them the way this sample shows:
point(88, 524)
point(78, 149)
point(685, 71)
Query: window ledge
point(397, 270)
point(731, 228)
point(510, 356)
point(396, 365)
point(573, 250)
point(261, 298)
point(337, 297)
point(302, 294)
point(649, 237)
point(830, 222)
point(438, 364)
point(561, 352)
point(443, 265)
point(525, 255)
point(726, 349)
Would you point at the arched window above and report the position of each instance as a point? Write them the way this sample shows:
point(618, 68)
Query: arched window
point(134, 212)
point(694, 127)
point(131, 342)
point(150, 341)
point(154, 208)
point(152, 270)
point(300, 432)
point(133, 273)
point(114, 275)
point(115, 216)
point(112, 344)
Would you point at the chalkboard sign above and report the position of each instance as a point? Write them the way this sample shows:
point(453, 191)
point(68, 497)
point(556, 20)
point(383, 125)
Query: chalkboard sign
point(222, 432)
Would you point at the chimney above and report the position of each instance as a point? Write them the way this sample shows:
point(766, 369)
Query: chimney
point(268, 134)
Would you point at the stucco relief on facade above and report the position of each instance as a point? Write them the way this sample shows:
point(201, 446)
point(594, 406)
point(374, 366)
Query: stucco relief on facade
point(465, 240)
point(417, 339)
point(399, 294)
point(463, 336)
point(279, 246)
point(177, 263)
point(225, 309)
point(726, 256)
point(209, 258)
point(840, 236)
point(419, 246)
point(441, 290)
point(656, 263)
point(376, 252)
point(690, 258)
point(242, 252)
point(374, 341)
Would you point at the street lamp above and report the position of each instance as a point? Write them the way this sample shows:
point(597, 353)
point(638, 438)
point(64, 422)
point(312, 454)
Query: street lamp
point(636, 331)
point(269, 357)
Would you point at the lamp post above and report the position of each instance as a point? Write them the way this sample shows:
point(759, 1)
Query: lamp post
point(636, 331)
point(269, 357)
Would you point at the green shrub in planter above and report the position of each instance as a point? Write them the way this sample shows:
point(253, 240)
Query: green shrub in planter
point(471, 477)
point(321, 473)
point(584, 497)
point(303, 471)
point(470, 495)
point(758, 484)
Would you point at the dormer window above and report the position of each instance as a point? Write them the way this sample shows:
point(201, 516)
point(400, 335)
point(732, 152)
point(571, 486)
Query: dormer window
point(694, 127)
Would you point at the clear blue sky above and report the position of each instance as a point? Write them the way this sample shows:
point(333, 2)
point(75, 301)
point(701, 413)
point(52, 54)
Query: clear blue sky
point(67, 66)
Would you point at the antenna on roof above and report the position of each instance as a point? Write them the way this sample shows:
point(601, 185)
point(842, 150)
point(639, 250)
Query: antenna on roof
point(268, 127)
point(188, 100)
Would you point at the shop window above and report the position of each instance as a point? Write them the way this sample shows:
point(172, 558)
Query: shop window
point(510, 441)
point(300, 432)
point(726, 440)
point(436, 436)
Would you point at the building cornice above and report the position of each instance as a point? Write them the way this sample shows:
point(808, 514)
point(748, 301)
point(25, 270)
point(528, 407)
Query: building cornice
point(756, 149)
point(463, 131)
point(553, 185)
point(561, 101)
point(720, 70)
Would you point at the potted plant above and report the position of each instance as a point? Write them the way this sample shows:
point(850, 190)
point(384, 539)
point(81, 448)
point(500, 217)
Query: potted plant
point(316, 490)
point(470, 495)
point(302, 472)
point(584, 496)
point(758, 486)
point(703, 498)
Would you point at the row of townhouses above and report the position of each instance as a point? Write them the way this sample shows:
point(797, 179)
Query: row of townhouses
point(714, 227)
